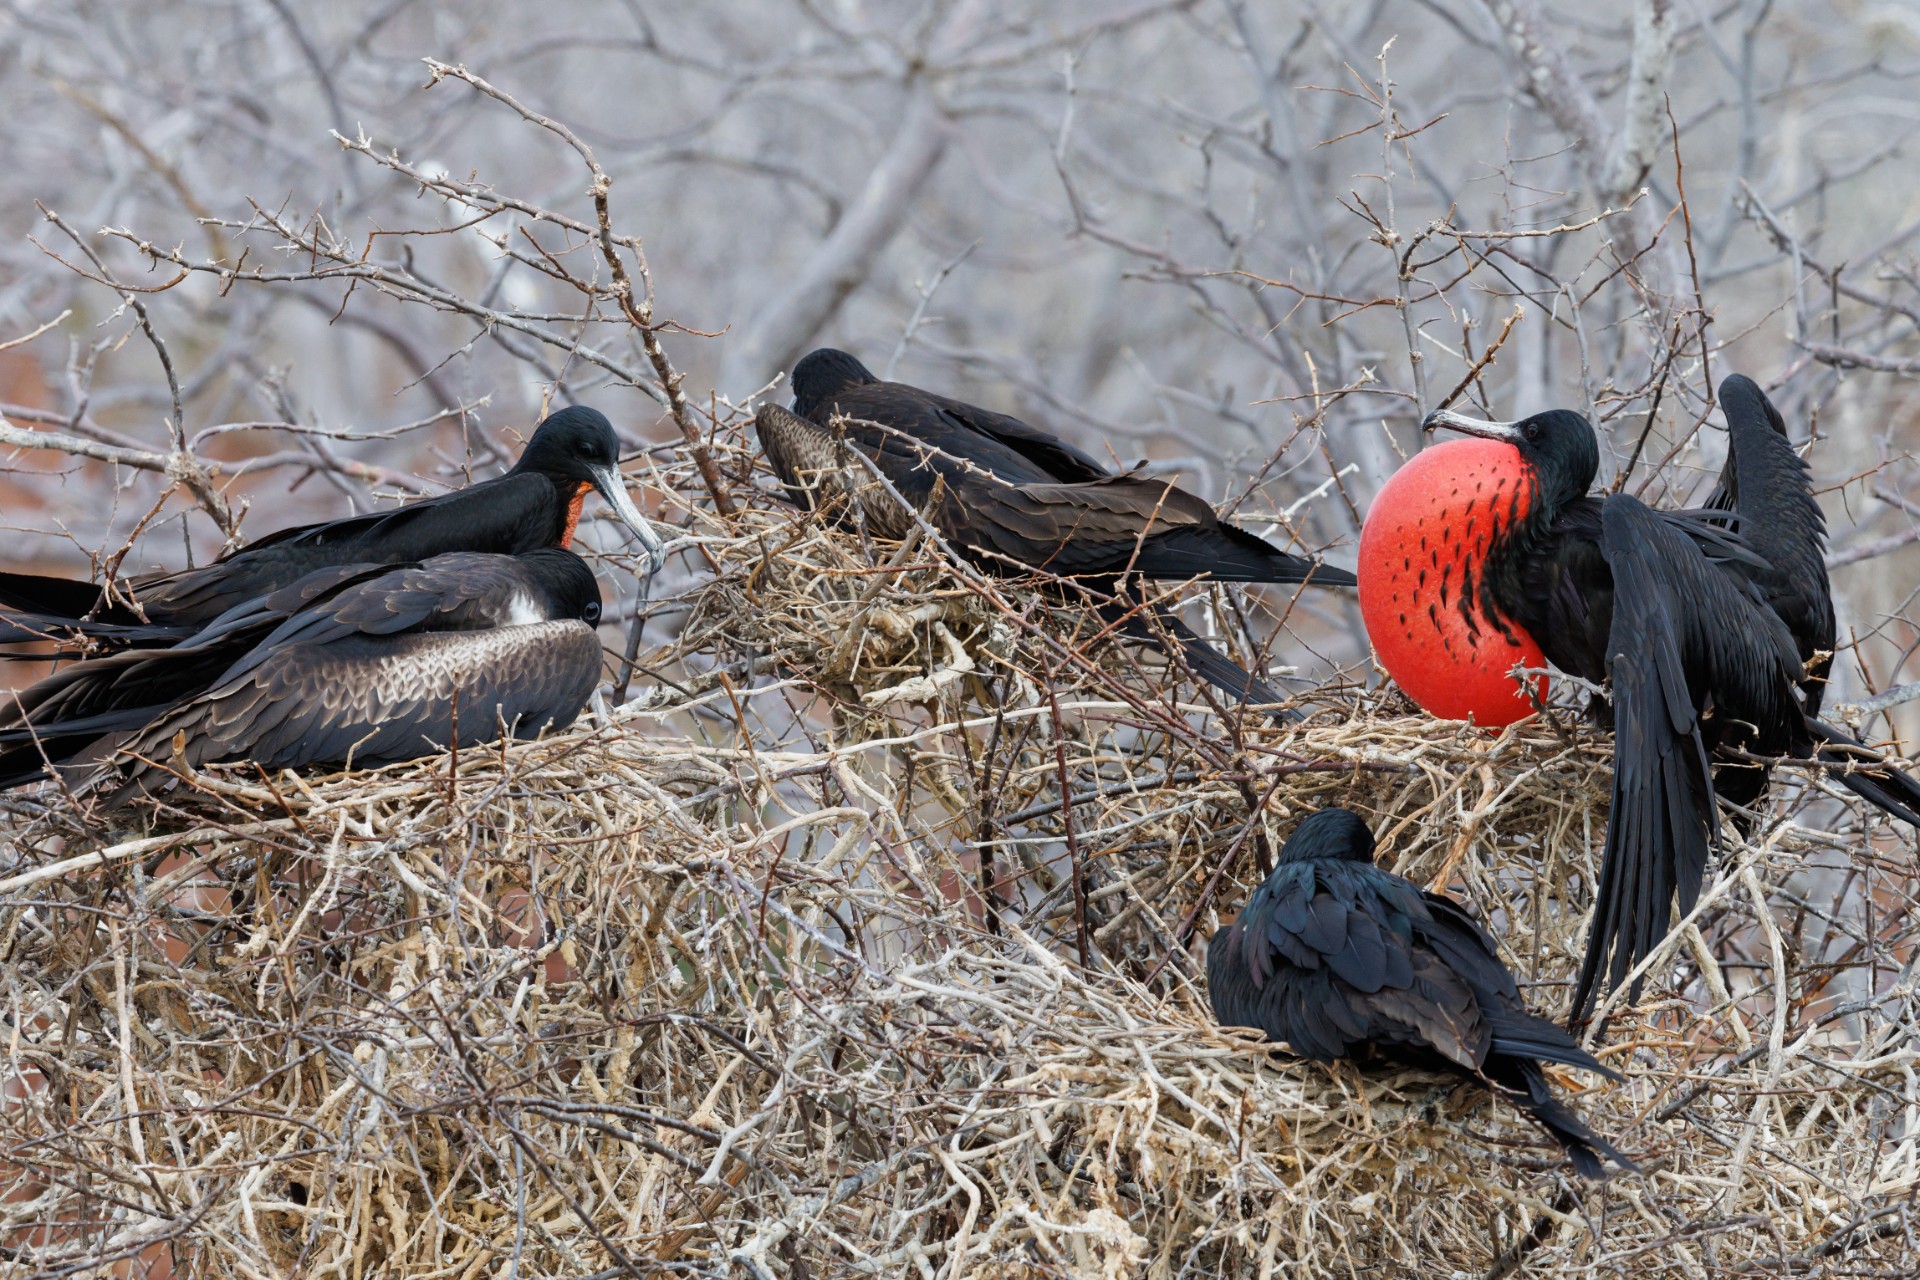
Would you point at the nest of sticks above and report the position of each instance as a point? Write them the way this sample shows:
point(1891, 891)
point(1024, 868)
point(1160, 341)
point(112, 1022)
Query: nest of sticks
point(864, 940)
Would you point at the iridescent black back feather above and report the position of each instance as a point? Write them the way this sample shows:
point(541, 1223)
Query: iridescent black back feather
point(1343, 960)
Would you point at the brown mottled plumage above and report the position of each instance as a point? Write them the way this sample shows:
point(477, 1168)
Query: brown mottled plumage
point(1011, 497)
point(364, 665)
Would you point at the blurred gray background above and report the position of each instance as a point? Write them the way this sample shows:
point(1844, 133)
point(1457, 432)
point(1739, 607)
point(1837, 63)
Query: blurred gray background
point(1252, 242)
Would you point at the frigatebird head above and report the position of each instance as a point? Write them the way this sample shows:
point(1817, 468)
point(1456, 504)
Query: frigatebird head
point(822, 373)
point(568, 585)
point(1329, 833)
point(577, 446)
point(1240, 956)
point(1559, 445)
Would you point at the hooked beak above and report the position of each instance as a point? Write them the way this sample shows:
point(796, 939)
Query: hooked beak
point(1507, 431)
point(614, 489)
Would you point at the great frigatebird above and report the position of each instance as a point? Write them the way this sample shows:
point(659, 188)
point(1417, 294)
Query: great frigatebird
point(361, 664)
point(1341, 959)
point(1013, 498)
point(536, 504)
point(1711, 627)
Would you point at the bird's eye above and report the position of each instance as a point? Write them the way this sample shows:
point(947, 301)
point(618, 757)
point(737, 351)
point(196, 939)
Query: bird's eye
point(591, 614)
point(1533, 431)
point(587, 448)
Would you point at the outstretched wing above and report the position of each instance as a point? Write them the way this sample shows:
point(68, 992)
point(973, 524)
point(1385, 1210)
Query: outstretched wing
point(1766, 483)
point(1682, 626)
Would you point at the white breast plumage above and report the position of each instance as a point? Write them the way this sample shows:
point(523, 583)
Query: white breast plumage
point(523, 612)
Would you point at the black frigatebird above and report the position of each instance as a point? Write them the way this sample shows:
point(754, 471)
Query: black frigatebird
point(1341, 959)
point(536, 504)
point(1014, 499)
point(1710, 626)
point(361, 664)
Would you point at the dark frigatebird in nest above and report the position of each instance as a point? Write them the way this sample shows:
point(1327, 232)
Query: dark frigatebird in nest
point(536, 504)
point(1340, 959)
point(1713, 629)
point(354, 664)
point(1014, 499)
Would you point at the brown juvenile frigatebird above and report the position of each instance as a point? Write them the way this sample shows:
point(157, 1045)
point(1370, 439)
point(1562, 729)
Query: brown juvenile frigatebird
point(361, 664)
point(1712, 628)
point(1341, 959)
point(1014, 499)
point(536, 504)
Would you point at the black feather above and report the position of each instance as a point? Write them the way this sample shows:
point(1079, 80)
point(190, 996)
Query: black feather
point(1713, 629)
point(1342, 960)
point(1011, 497)
point(529, 507)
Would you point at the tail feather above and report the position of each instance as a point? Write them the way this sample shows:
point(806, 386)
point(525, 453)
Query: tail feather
point(30, 761)
point(68, 598)
point(83, 729)
point(1545, 1041)
point(1585, 1149)
point(1865, 772)
point(1225, 553)
point(22, 627)
point(1201, 658)
point(21, 765)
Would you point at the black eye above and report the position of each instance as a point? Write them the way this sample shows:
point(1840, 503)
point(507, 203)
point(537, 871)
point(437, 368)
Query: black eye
point(591, 614)
point(1533, 431)
point(588, 448)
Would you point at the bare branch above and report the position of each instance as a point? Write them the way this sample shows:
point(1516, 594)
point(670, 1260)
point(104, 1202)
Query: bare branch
point(780, 331)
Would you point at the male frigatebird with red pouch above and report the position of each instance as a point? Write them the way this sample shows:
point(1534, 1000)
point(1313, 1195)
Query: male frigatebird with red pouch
point(1015, 499)
point(1712, 628)
point(536, 504)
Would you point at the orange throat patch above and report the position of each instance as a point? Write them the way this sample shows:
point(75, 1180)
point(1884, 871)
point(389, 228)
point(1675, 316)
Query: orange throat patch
point(573, 515)
point(1423, 552)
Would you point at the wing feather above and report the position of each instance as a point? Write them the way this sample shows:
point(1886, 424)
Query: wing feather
point(1767, 484)
point(1411, 976)
point(381, 699)
point(494, 517)
point(1327, 957)
point(1683, 628)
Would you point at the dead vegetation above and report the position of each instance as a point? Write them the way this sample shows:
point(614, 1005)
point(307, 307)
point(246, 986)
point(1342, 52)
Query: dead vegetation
point(856, 933)
point(665, 995)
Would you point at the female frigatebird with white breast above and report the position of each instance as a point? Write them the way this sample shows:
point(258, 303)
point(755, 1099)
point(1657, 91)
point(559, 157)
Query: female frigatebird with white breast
point(1712, 628)
point(360, 664)
point(1013, 498)
point(536, 504)
point(1341, 959)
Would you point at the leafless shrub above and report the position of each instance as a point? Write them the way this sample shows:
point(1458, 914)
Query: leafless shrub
point(911, 988)
point(858, 937)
